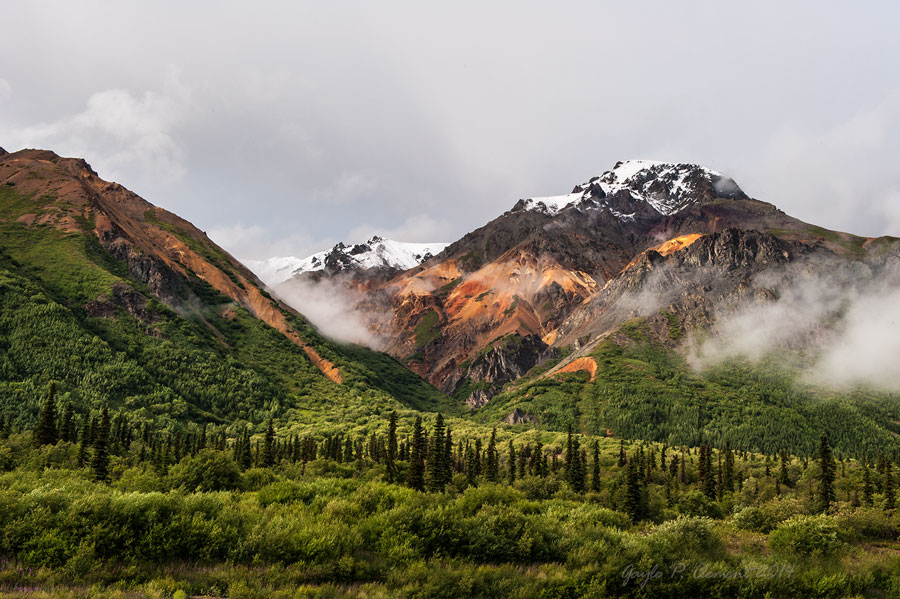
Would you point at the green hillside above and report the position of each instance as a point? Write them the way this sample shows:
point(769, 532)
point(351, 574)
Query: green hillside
point(643, 390)
point(216, 364)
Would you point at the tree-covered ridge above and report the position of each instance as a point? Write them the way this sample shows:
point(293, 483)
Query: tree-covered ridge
point(643, 390)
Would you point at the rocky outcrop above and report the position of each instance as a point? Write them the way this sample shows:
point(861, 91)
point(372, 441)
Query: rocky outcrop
point(507, 361)
point(517, 416)
point(122, 297)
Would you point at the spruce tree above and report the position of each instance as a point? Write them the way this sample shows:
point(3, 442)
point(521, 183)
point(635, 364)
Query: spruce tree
point(622, 456)
point(728, 476)
point(390, 467)
point(416, 476)
point(492, 462)
point(783, 472)
point(634, 500)
point(595, 474)
point(67, 425)
point(45, 433)
point(447, 461)
point(708, 481)
point(267, 459)
point(826, 475)
point(511, 474)
point(84, 441)
point(867, 489)
point(434, 468)
point(100, 462)
point(890, 500)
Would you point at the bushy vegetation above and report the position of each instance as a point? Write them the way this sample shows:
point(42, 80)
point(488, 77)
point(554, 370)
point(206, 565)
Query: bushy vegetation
point(252, 516)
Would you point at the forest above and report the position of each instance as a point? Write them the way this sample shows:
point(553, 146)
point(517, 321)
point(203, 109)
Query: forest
point(95, 503)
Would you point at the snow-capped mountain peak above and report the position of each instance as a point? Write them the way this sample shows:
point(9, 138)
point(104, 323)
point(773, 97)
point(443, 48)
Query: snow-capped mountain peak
point(375, 253)
point(666, 187)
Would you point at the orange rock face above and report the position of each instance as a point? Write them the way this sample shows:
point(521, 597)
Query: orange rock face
point(588, 365)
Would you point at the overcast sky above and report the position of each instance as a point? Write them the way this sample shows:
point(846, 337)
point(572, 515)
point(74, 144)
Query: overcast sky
point(284, 128)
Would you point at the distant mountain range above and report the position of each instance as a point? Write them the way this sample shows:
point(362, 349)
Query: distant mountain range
point(375, 255)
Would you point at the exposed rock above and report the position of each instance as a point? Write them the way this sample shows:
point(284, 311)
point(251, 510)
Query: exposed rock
point(507, 361)
point(122, 297)
point(517, 416)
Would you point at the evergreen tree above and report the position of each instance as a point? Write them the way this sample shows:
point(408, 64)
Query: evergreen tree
point(783, 472)
point(67, 425)
point(728, 475)
point(267, 459)
point(595, 474)
point(522, 460)
point(84, 442)
point(100, 462)
point(511, 475)
point(390, 467)
point(622, 456)
point(890, 500)
point(634, 499)
point(434, 469)
point(447, 462)
point(574, 470)
point(827, 474)
point(707, 480)
point(867, 489)
point(416, 477)
point(492, 461)
point(45, 433)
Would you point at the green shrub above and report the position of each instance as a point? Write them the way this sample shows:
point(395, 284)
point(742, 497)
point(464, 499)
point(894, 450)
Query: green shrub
point(808, 536)
point(867, 523)
point(684, 538)
point(695, 503)
point(537, 488)
point(207, 471)
point(753, 518)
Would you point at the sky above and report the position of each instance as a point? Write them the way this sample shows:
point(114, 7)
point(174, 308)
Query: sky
point(283, 128)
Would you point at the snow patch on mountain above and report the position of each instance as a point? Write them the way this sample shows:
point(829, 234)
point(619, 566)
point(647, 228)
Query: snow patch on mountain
point(668, 188)
point(377, 252)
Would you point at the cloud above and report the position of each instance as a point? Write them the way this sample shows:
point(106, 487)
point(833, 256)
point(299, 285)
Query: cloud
point(347, 187)
point(124, 136)
point(330, 305)
point(844, 316)
point(5, 90)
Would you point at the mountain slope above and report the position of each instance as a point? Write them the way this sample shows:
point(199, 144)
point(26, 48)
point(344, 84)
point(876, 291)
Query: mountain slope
point(124, 303)
point(525, 273)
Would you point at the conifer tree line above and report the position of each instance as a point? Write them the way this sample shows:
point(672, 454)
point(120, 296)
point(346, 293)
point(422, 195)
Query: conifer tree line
point(428, 460)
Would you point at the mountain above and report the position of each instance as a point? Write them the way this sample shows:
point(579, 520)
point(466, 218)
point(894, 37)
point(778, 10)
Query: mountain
point(376, 257)
point(538, 282)
point(123, 303)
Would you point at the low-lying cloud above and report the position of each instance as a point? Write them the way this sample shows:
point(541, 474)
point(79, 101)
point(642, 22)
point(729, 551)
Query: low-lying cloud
point(845, 316)
point(332, 307)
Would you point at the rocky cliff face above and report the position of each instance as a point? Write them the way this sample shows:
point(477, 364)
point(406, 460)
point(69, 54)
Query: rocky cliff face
point(506, 361)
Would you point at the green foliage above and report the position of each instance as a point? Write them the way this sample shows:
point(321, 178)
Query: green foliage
point(808, 536)
point(426, 329)
point(207, 471)
point(644, 391)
